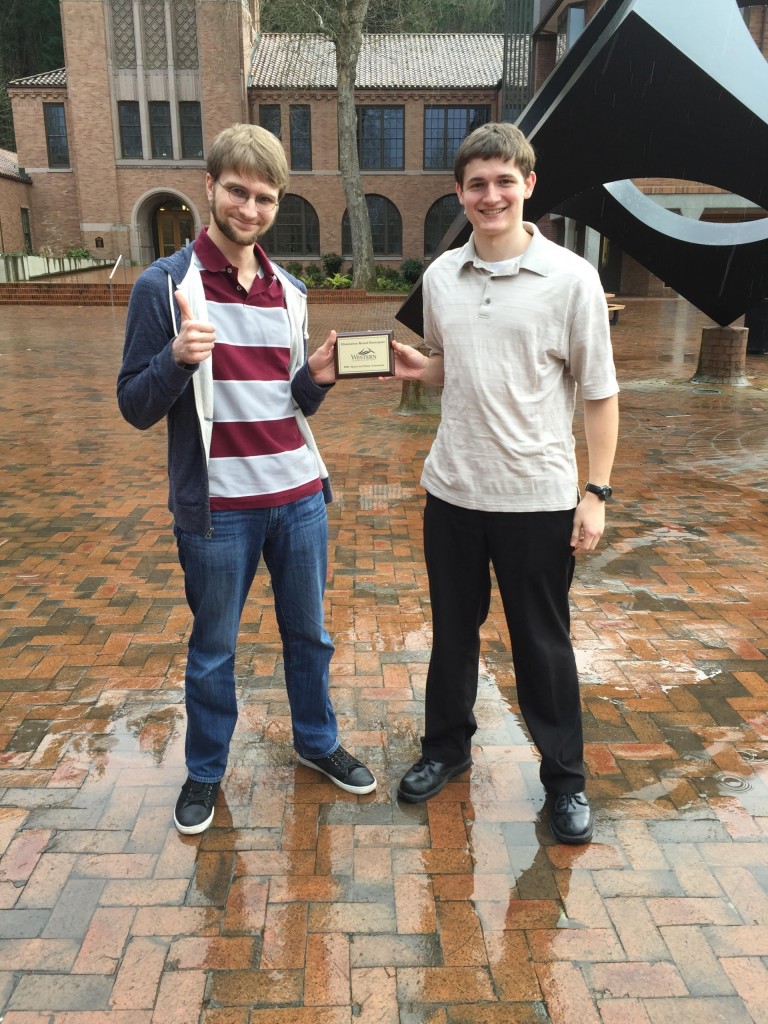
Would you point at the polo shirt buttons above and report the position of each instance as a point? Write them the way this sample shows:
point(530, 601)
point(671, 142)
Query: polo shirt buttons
point(487, 302)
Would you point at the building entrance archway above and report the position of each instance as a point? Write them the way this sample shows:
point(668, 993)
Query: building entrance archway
point(163, 223)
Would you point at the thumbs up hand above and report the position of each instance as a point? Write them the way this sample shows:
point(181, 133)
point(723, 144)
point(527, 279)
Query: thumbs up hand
point(195, 339)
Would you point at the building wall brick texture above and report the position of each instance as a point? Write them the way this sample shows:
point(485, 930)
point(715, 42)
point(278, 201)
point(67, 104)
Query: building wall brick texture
point(722, 356)
point(53, 194)
point(13, 196)
point(91, 145)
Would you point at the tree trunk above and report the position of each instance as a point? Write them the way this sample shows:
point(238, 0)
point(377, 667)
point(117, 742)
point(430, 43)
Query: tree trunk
point(348, 41)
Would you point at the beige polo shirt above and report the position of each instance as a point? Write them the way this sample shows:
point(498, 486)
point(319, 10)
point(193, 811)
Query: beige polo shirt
point(517, 341)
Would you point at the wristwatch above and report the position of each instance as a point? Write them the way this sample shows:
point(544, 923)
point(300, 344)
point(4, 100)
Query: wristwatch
point(603, 492)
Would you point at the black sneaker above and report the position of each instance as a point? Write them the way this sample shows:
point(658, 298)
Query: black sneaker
point(194, 808)
point(344, 770)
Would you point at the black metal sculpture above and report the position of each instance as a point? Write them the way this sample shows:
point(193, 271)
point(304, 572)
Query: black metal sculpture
point(655, 88)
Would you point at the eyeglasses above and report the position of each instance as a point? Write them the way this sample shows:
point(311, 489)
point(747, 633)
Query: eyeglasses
point(240, 196)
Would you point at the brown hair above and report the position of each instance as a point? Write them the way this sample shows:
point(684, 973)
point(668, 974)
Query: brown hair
point(495, 141)
point(249, 150)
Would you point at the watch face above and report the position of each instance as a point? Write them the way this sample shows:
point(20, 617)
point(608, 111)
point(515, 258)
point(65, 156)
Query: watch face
point(603, 492)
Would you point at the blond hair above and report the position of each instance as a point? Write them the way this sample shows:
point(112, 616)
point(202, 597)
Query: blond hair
point(250, 150)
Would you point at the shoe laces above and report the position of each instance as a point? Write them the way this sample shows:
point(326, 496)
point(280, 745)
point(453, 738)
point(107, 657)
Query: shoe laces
point(343, 759)
point(566, 800)
point(199, 793)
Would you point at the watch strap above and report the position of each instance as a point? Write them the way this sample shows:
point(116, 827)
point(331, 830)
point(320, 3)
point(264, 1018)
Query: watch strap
point(603, 491)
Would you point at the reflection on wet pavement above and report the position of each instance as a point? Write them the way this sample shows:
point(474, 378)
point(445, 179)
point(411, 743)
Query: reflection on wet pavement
point(306, 904)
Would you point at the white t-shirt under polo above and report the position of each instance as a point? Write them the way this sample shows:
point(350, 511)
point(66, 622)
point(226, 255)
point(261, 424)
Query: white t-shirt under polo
point(516, 342)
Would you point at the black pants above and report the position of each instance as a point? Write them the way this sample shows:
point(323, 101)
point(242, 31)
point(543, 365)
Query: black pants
point(532, 559)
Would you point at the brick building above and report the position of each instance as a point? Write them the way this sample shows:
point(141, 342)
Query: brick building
point(113, 145)
point(15, 201)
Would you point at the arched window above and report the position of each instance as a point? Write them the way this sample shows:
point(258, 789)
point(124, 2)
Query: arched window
point(296, 231)
point(386, 228)
point(439, 218)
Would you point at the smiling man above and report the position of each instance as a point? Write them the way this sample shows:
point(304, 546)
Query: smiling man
point(514, 324)
point(216, 342)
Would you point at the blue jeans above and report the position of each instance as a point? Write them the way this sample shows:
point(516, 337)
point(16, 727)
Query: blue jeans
point(218, 573)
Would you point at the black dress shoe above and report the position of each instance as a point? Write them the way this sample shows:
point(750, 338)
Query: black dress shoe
point(427, 777)
point(571, 819)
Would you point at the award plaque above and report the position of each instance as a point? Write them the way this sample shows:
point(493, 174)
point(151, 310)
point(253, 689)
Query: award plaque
point(364, 354)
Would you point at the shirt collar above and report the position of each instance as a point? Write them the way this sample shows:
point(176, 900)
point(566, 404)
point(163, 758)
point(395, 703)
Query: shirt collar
point(213, 259)
point(534, 258)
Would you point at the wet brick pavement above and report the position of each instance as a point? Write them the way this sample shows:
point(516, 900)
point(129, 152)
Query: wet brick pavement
point(305, 904)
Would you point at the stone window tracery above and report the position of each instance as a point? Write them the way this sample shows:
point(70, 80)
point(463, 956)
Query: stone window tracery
point(155, 42)
point(185, 35)
point(123, 37)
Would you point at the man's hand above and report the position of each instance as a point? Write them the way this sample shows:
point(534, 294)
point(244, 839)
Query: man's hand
point(588, 524)
point(321, 366)
point(195, 339)
point(409, 362)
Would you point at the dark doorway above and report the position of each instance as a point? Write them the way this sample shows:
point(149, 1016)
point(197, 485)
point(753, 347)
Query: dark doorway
point(173, 227)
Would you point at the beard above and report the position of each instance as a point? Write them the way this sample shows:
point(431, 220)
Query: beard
point(244, 238)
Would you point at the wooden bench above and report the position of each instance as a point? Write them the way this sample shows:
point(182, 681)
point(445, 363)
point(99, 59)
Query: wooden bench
point(614, 309)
